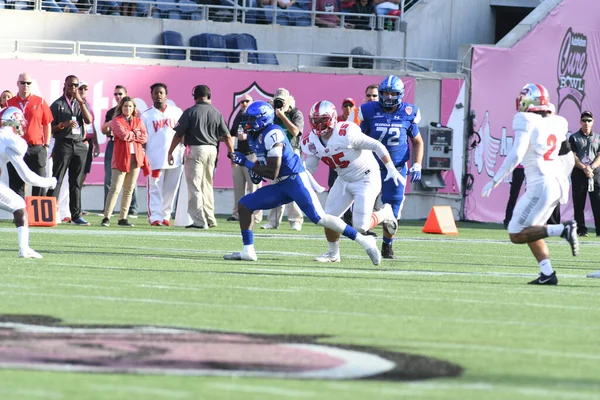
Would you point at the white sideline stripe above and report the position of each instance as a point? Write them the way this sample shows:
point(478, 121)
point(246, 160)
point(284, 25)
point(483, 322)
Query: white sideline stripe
point(175, 394)
point(353, 293)
point(403, 316)
point(473, 347)
point(43, 394)
point(235, 387)
point(527, 390)
point(484, 288)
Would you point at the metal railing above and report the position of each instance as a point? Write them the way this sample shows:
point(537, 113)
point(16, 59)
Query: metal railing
point(246, 12)
point(193, 55)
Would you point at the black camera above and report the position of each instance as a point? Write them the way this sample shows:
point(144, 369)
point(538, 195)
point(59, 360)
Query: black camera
point(278, 102)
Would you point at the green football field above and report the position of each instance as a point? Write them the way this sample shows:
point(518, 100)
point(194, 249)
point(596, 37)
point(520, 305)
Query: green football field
point(453, 305)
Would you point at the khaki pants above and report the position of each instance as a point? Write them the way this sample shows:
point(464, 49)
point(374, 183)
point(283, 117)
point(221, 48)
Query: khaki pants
point(199, 168)
point(125, 180)
point(242, 185)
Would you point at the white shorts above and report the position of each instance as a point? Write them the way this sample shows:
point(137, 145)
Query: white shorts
point(9, 200)
point(362, 192)
point(535, 206)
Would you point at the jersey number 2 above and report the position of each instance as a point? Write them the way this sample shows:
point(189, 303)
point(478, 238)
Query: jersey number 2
point(551, 141)
point(335, 161)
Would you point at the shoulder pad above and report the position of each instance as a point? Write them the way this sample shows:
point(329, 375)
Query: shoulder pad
point(523, 121)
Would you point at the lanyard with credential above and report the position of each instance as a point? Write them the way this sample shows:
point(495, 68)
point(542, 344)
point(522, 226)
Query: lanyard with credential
point(23, 106)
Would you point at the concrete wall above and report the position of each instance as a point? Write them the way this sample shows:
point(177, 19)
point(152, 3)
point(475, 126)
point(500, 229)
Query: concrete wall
point(436, 28)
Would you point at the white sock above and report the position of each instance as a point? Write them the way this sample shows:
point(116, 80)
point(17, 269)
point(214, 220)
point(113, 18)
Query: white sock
point(249, 248)
point(555, 230)
point(546, 266)
point(334, 247)
point(23, 234)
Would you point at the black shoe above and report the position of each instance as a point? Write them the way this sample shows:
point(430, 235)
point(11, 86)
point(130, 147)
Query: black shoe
point(570, 235)
point(232, 219)
point(545, 280)
point(105, 222)
point(387, 251)
point(124, 222)
point(194, 226)
point(370, 233)
point(582, 234)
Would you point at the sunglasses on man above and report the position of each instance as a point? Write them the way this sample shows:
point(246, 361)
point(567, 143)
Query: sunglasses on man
point(587, 120)
point(25, 83)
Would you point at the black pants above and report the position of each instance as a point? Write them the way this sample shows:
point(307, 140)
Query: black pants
point(36, 159)
point(579, 187)
point(69, 154)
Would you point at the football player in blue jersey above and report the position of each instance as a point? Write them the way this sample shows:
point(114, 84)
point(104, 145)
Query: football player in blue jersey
point(393, 122)
point(277, 161)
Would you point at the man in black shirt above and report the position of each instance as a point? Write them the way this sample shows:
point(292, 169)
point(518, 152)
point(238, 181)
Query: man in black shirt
point(119, 93)
point(70, 113)
point(201, 127)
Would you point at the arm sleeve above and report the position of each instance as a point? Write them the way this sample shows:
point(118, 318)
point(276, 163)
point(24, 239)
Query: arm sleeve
point(515, 156)
point(312, 163)
point(143, 136)
point(565, 148)
point(24, 172)
point(298, 121)
point(223, 130)
point(367, 143)
point(120, 131)
point(182, 125)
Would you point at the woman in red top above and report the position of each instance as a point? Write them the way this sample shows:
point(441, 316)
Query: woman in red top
point(128, 157)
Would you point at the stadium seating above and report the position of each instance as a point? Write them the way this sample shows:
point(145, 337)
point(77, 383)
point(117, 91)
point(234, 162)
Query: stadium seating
point(190, 10)
point(241, 41)
point(172, 38)
point(168, 11)
point(211, 40)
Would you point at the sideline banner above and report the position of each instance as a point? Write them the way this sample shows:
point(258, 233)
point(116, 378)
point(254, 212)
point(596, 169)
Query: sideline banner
point(561, 53)
point(227, 86)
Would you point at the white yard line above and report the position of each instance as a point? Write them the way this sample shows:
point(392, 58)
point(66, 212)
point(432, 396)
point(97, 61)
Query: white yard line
point(30, 393)
point(401, 315)
point(143, 390)
point(236, 387)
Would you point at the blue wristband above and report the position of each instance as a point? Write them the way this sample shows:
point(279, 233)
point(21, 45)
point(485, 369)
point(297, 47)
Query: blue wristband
point(248, 164)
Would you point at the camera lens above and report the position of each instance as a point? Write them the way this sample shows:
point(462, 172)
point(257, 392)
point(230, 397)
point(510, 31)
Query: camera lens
point(278, 103)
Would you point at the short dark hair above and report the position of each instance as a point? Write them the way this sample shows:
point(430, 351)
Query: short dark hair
point(373, 86)
point(121, 87)
point(201, 91)
point(159, 84)
point(70, 77)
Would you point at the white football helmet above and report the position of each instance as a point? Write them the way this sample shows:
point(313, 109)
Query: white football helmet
point(323, 117)
point(533, 97)
point(14, 118)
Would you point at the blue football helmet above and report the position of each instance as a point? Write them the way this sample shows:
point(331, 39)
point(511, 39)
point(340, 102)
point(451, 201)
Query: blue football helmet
point(391, 84)
point(258, 116)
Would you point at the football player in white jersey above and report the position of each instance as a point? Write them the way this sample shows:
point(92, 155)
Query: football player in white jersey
point(343, 147)
point(541, 146)
point(164, 179)
point(12, 149)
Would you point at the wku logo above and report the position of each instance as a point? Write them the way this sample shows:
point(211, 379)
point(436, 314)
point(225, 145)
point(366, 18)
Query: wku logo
point(158, 125)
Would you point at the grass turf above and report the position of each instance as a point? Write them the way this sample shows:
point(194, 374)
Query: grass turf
point(461, 298)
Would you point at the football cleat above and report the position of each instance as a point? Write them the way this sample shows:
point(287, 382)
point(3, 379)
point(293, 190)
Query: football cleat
point(156, 223)
point(268, 226)
point(328, 257)
point(390, 223)
point(29, 253)
point(296, 226)
point(370, 245)
point(570, 235)
point(545, 280)
point(244, 255)
point(387, 251)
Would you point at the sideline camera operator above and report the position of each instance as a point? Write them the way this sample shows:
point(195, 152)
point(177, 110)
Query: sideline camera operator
point(291, 120)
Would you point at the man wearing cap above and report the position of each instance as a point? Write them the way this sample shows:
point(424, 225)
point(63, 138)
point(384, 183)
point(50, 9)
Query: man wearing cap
point(37, 134)
point(586, 144)
point(201, 127)
point(91, 138)
point(242, 184)
point(291, 120)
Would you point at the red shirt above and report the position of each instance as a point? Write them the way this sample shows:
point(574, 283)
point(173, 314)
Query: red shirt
point(37, 114)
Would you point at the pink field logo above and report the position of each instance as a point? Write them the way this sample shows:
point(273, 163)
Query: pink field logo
point(572, 65)
point(42, 343)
